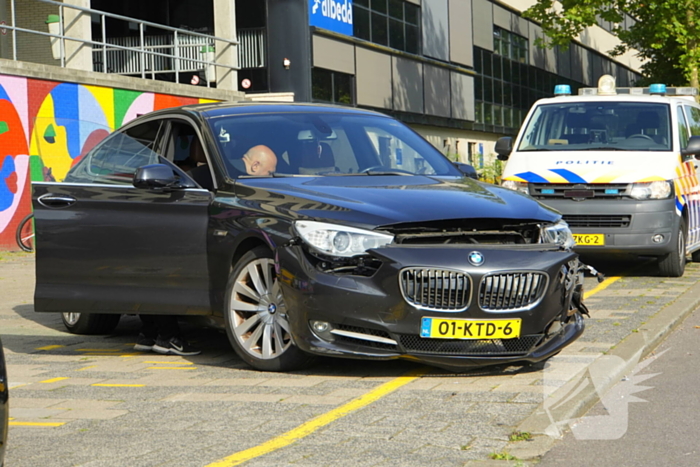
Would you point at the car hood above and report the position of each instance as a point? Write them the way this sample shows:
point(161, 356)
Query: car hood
point(373, 201)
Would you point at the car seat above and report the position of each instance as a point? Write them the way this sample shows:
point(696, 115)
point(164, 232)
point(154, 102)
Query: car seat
point(316, 158)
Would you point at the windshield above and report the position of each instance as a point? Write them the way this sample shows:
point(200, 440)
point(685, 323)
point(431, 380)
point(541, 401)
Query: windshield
point(612, 126)
point(326, 144)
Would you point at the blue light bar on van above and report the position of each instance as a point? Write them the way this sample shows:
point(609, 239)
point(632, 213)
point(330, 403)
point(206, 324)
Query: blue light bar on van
point(562, 90)
point(657, 89)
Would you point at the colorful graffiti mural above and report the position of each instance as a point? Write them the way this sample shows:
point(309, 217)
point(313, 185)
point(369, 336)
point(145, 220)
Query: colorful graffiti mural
point(47, 126)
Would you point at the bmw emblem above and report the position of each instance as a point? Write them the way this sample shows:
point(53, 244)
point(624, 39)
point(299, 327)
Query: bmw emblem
point(476, 258)
point(271, 308)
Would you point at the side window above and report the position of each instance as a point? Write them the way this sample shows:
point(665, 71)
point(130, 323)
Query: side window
point(185, 150)
point(682, 128)
point(119, 155)
point(693, 114)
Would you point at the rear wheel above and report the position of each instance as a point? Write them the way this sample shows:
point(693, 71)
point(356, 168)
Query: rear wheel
point(90, 323)
point(673, 264)
point(25, 233)
point(257, 320)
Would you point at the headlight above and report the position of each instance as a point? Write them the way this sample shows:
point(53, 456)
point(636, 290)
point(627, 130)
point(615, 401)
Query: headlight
point(558, 233)
point(338, 240)
point(651, 190)
point(515, 186)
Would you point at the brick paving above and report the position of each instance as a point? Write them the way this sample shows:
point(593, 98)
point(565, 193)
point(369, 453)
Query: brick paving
point(93, 401)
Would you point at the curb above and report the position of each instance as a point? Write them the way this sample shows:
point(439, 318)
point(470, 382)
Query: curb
point(629, 352)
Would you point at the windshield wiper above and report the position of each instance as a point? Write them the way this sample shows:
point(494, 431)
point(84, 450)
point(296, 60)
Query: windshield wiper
point(386, 172)
point(607, 148)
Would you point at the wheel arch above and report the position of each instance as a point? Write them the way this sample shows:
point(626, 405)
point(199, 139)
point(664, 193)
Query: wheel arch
point(245, 246)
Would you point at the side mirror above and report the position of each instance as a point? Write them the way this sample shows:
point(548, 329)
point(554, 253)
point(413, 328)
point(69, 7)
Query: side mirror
point(156, 177)
point(693, 147)
point(504, 146)
point(467, 170)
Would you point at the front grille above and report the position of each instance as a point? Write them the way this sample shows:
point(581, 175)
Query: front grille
point(435, 289)
point(621, 220)
point(484, 347)
point(371, 332)
point(559, 190)
point(511, 291)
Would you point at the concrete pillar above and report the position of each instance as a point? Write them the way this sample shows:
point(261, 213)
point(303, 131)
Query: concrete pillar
point(76, 24)
point(225, 27)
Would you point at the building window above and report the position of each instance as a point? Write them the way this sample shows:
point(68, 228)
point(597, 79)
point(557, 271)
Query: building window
point(510, 45)
point(506, 88)
point(332, 86)
point(394, 23)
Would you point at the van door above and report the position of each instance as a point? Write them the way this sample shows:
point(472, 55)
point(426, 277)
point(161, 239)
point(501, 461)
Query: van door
point(687, 124)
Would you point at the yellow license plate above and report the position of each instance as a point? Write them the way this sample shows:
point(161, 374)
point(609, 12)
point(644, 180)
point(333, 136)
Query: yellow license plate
point(590, 239)
point(439, 328)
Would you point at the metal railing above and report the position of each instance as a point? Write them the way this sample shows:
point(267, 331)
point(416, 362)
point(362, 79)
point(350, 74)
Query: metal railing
point(252, 48)
point(173, 51)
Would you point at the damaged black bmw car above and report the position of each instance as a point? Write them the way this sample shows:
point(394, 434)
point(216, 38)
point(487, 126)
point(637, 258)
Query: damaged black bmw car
point(306, 230)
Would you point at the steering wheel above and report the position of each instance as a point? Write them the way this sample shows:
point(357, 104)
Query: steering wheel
point(640, 136)
point(381, 168)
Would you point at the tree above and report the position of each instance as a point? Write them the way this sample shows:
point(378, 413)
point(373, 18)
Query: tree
point(666, 32)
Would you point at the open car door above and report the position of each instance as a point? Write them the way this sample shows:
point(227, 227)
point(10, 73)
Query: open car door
point(105, 246)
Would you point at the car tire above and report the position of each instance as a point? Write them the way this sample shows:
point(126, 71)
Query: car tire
point(257, 317)
point(673, 264)
point(90, 323)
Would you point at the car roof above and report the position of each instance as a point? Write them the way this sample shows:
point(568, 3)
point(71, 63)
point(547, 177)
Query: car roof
point(226, 108)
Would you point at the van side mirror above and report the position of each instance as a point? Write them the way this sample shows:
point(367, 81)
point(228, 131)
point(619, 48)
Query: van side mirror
point(504, 146)
point(467, 170)
point(693, 147)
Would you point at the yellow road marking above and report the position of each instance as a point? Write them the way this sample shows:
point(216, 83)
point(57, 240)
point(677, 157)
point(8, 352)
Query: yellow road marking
point(50, 347)
point(105, 385)
point(49, 424)
point(87, 368)
point(170, 368)
point(311, 426)
point(98, 350)
point(101, 355)
point(602, 286)
point(169, 363)
point(54, 380)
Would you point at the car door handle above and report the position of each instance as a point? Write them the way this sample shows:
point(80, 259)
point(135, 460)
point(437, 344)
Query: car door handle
point(56, 201)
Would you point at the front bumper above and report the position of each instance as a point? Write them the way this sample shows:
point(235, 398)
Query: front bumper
point(647, 219)
point(374, 320)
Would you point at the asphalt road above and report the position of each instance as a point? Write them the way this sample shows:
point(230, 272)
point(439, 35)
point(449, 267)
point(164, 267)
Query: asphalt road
point(663, 419)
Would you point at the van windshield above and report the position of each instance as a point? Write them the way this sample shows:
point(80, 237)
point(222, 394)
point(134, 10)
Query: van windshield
point(603, 126)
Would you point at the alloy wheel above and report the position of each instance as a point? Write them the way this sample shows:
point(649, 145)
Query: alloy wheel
point(258, 312)
point(71, 318)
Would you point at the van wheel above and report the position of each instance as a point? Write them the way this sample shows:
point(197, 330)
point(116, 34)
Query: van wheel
point(257, 318)
point(90, 323)
point(673, 264)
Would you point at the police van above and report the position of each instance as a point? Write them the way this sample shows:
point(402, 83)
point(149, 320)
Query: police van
point(619, 164)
